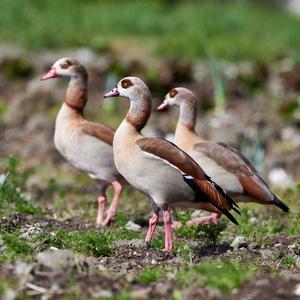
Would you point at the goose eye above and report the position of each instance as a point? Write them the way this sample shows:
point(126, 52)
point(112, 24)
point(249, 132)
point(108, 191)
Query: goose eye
point(126, 84)
point(64, 66)
point(173, 93)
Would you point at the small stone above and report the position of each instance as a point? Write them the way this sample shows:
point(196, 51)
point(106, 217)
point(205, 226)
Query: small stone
point(22, 268)
point(262, 282)
point(124, 267)
point(278, 245)
point(57, 259)
point(9, 294)
point(287, 274)
point(253, 220)
point(292, 246)
point(239, 242)
point(142, 293)
point(102, 294)
point(2, 246)
point(153, 262)
point(297, 290)
point(298, 262)
point(266, 253)
point(132, 226)
point(28, 233)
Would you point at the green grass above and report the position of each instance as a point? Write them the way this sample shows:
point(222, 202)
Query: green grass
point(12, 197)
point(15, 247)
point(88, 242)
point(149, 275)
point(223, 275)
point(232, 30)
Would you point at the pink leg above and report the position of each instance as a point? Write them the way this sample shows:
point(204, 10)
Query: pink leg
point(152, 225)
point(214, 218)
point(168, 237)
point(101, 207)
point(113, 207)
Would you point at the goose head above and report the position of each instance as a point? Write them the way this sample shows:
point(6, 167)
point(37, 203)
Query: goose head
point(177, 96)
point(131, 87)
point(66, 67)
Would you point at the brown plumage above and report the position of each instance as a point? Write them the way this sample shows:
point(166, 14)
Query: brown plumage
point(159, 168)
point(84, 144)
point(225, 164)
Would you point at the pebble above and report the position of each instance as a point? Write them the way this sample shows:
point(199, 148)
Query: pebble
point(298, 262)
point(253, 220)
point(102, 294)
point(132, 226)
point(56, 259)
point(266, 253)
point(153, 262)
point(278, 245)
point(142, 293)
point(262, 282)
point(297, 289)
point(239, 242)
point(2, 246)
point(292, 246)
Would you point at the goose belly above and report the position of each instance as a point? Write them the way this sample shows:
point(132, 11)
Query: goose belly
point(162, 182)
point(86, 153)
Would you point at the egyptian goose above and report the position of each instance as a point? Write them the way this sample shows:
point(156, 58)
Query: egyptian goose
point(159, 168)
point(84, 144)
point(224, 164)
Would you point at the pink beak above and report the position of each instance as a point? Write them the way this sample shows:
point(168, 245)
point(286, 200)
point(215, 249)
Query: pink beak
point(113, 93)
point(164, 106)
point(51, 74)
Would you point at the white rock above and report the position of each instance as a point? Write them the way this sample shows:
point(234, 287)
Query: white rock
point(279, 178)
point(253, 220)
point(56, 259)
point(3, 178)
point(292, 246)
point(266, 253)
point(298, 262)
point(239, 242)
point(102, 293)
point(132, 226)
point(297, 289)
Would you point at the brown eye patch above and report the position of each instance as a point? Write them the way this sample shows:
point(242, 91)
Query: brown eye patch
point(126, 83)
point(173, 93)
point(66, 64)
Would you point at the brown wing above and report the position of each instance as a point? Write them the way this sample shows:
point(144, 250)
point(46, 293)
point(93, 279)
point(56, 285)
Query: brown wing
point(234, 162)
point(102, 132)
point(178, 158)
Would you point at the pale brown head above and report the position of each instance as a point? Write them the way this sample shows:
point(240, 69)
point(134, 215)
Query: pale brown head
point(131, 87)
point(66, 67)
point(178, 96)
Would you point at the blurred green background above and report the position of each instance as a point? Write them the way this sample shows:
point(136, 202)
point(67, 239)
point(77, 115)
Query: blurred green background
point(231, 30)
point(242, 60)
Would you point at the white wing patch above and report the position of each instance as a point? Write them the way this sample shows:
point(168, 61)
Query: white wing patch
point(165, 161)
